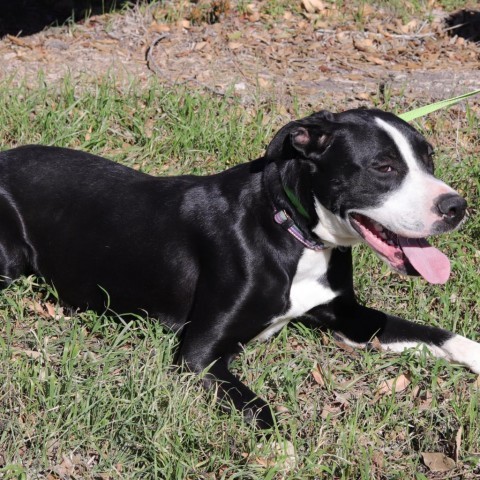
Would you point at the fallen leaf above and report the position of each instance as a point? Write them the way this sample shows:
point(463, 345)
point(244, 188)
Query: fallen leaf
point(438, 462)
point(264, 83)
point(184, 23)
point(200, 46)
point(51, 310)
point(67, 467)
point(368, 10)
point(362, 96)
point(394, 385)
point(425, 401)
point(35, 307)
point(410, 26)
point(29, 353)
point(375, 60)
point(318, 377)
point(159, 27)
point(375, 342)
point(378, 459)
point(263, 461)
point(235, 45)
point(312, 6)
point(343, 37)
point(364, 44)
point(344, 346)
point(330, 410)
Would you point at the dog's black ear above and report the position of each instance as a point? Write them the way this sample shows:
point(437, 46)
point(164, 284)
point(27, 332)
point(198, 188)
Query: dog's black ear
point(308, 137)
point(308, 140)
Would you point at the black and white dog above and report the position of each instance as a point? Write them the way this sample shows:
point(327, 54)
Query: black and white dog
point(228, 258)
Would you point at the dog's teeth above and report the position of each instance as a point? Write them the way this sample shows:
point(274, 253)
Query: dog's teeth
point(383, 235)
point(378, 226)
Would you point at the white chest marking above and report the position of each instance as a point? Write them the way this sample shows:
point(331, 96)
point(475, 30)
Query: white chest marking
point(309, 289)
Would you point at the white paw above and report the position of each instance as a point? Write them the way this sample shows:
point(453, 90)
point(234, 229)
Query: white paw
point(462, 350)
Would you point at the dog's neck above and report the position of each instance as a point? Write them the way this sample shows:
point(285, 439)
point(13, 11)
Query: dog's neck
point(291, 206)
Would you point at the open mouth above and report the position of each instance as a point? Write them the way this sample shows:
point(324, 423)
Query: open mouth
point(412, 256)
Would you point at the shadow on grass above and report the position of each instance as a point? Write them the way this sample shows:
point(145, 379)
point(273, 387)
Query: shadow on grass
point(25, 17)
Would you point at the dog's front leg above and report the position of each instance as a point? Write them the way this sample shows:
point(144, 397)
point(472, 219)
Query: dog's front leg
point(200, 352)
point(358, 325)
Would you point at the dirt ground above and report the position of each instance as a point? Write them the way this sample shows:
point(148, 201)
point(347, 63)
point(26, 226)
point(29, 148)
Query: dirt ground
point(327, 53)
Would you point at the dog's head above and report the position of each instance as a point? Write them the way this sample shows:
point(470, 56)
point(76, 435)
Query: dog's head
point(371, 179)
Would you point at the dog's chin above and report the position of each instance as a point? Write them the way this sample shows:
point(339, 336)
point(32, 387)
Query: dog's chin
point(333, 229)
point(408, 256)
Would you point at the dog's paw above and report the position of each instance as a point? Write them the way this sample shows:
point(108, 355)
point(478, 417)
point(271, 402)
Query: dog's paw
point(462, 350)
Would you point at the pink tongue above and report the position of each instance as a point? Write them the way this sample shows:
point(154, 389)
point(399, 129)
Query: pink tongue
point(429, 262)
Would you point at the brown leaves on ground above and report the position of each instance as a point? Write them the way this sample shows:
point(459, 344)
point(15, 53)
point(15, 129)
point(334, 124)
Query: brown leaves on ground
point(438, 462)
point(46, 310)
point(312, 49)
point(76, 465)
point(314, 44)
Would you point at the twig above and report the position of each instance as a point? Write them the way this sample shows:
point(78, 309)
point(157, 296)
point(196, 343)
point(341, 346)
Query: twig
point(456, 26)
point(154, 67)
point(366, 34)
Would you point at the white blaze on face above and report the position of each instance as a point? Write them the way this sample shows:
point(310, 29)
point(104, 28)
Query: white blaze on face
point(409, 210)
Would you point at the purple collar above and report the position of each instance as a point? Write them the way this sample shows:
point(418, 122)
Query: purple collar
point(282, 218)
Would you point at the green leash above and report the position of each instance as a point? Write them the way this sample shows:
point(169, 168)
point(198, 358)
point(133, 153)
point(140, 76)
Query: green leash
point(425, 110)
point(407, 117)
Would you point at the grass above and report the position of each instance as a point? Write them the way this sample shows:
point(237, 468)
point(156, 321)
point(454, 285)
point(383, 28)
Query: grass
point(172, 11)
point(90, 396)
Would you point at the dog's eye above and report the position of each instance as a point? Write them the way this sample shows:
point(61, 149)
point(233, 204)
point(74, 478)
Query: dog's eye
point(384, 168)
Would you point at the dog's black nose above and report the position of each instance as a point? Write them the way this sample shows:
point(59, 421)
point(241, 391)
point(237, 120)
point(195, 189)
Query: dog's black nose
point(452, 207)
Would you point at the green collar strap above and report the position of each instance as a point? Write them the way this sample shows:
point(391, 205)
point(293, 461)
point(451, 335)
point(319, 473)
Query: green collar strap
point(295, 201)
